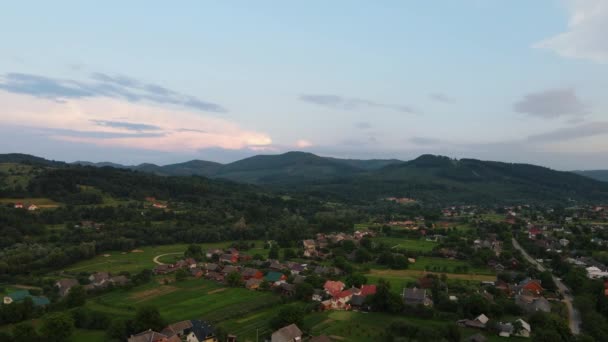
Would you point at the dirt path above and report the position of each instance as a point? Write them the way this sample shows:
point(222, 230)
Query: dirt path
point(26, 287)
point(156, 261)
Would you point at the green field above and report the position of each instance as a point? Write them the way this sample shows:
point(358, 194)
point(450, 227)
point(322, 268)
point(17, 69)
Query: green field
point(40, 202)
point(119, 261)
point(408, 244)
point(81, 335)
point(190, 299)
point(446, 266)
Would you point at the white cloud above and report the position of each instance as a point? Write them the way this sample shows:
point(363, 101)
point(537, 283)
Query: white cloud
point(78, 120)
point(586, 34)
point(302, 143)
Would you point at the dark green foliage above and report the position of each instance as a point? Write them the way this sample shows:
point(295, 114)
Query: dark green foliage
point(76, 297)
point(384, 299)
point(195, 252)
point(57, 327)
point(233, 279)
point(290, 314)
point(148, 317)
point(304, 291)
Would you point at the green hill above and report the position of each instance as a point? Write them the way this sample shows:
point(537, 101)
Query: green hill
point(601, 175)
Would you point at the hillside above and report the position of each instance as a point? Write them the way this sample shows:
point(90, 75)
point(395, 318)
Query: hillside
point(431, 179)
point(601, 175)
point(439, 179)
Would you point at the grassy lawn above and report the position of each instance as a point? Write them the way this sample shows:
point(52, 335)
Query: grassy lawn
point(408, 244)
point(409, 274)
point(81, 335)
point(190, 299)
point(446, 266)
point(248, 327)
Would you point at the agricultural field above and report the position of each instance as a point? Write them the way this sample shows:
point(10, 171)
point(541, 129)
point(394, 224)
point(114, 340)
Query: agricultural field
point(253, 326)
point(81, 335)
point(190, 299)
point(408, 244)
point(444, 265)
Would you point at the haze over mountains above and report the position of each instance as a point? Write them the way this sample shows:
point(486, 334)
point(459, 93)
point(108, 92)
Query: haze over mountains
point(428, 177)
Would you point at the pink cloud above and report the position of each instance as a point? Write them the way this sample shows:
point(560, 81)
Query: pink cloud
point(178, 129)
point(302, 143)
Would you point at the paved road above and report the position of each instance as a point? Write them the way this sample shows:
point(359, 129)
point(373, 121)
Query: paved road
point(574, 316)
point(156, 261)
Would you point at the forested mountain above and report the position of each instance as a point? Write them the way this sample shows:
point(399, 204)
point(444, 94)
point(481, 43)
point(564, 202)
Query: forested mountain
point(601, 175)
point(432, 179)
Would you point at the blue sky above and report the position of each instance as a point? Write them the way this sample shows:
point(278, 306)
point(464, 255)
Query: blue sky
point(152, 81)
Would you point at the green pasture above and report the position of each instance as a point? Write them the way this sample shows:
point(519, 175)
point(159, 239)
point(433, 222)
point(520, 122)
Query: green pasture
point(408, 244)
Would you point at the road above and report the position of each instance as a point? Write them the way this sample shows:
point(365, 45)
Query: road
point(574, 316)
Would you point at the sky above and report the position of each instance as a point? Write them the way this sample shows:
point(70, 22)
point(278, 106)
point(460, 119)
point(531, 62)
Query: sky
point(166, 82)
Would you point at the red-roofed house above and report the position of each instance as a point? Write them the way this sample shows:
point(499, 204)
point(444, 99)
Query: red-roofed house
point(19, 205)
point(367, 290)
point(532, 232)
point(333, 287)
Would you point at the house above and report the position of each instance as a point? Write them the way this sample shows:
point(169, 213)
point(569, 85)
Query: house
point(229, 258)
point(290, 333)
point(296, 268)
point(594, 272)
point(179, 328)
point(213, 252)
point(416, 296)
point(531, 304)
point(201, 331)
point(499, 268)
point(508, 329)
point(149, 336)
point(229, 269)
point(216, 276)
point(478, 323)
point(317, 295)
point(310, 248)
point(164, 269)
point(64, 285)
point(99, 279)
point(196, 272)
point(564, 242)
point(274, 277)
point(253, 283)
point(298, 279)
point(367, 290)
point(248, 273)
point(533, 232)
point(19, 205)
point(333, 288)
point(120, 280)
point(287, 289)
point(32, 207)
point(531, 287)
point(159, 206)
point(277, 266)
point(211, 267)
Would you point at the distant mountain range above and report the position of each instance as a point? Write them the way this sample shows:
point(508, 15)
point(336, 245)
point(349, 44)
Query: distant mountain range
point(289, 167)
point(601, 175)
point(428, 178)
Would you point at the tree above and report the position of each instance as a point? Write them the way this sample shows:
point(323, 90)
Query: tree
point(304, 291)
point(356, 280)
point(547, 280)
point(288, 254)
point(6, 337)
point(291, 314)
point(117, 330)
point(274, 251)
point(384, 299)
point(76, 297)
point(233, 279)
point(148, 317)
point(25, 331)
point(57, 327)
point(195, 252)
point(362, 255)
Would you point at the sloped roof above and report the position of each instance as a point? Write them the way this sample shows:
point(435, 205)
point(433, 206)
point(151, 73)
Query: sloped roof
point(286, 334)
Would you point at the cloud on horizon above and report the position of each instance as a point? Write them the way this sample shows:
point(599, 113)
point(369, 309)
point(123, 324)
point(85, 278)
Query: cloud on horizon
point(571, 133)
point(586, 34)
point(101, 85)
point(551, 104)
point(348, 103)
